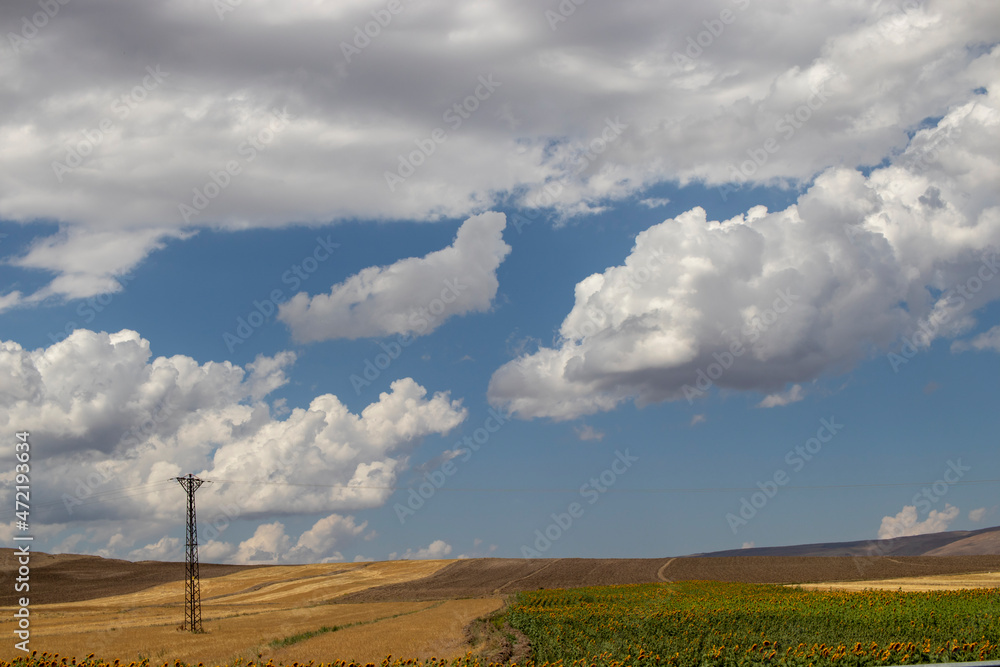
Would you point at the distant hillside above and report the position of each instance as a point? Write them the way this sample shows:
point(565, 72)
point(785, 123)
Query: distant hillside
point(71, 577)
point(984, 542)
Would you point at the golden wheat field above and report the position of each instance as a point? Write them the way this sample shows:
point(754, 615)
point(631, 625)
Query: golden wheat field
point(244, 612)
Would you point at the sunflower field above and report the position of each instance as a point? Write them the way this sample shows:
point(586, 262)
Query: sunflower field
point(714, 623)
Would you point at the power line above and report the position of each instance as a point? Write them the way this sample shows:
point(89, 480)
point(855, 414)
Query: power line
point(118, 493)
point(192, 589)
point(128, 492)
point(709, 489)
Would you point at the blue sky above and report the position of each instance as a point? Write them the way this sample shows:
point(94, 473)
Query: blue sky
point(607, 220)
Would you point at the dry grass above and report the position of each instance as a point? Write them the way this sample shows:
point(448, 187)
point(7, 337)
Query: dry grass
point(931, 583)
point(436, 631)
point(241, 613)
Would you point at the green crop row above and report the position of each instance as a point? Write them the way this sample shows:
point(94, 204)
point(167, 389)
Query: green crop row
point(714, 623)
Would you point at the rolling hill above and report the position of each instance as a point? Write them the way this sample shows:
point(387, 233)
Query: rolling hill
point(984, 542)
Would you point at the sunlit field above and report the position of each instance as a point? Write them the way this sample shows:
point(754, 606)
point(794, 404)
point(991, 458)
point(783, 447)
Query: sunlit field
point(279, 611)
point(714, 623)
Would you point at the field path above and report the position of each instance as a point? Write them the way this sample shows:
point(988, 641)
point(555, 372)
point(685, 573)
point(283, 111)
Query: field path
point(659, 573)
point(530, 574)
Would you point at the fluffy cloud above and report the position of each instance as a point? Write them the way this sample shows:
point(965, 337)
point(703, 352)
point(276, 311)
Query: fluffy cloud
point(988, 340)
point(118, 424)
point(793, 395)
point(90, 261)
point(318, 542)
point(977, 514)
point(905, 522)
point(435, 550)
point(587, 432)
point(166, 549)
point(268, 544)
point(412, 296)
point(115, 126)
point(859, 264)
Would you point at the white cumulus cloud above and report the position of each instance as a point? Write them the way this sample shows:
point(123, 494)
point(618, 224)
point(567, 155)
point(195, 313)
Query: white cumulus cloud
point(793, 395)
point(905, 523)
point(587, 432)
point(119, 424)
point(435, 550)
point(412, 296)
point(977, 514)
point(988, 340)
point(858, 265)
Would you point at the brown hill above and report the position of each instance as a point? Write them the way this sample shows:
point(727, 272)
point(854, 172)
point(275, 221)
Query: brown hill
point(72, 577)
point(980, 542)
point(489, 576)
point(983, 542)
point(69, 577)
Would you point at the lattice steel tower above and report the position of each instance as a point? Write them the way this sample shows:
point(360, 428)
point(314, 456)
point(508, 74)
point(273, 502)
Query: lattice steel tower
point(192, 591)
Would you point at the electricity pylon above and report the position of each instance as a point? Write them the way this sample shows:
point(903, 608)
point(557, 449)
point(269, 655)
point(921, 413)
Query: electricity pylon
point(192, 591)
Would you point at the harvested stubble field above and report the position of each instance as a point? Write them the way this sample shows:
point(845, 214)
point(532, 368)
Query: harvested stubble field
point(268, 611)
point(365, 611)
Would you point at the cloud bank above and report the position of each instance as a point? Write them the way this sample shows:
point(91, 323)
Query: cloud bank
point(860, 265)
point(264, 116)
point(119, 423)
